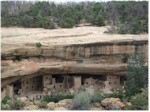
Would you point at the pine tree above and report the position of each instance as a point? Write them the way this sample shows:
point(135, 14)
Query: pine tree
point(137, 75)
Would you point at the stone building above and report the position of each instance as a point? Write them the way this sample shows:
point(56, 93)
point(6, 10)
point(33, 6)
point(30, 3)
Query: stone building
point(23, 87)
point(62, 82)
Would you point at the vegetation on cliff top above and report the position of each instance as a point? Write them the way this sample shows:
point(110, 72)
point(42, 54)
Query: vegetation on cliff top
point(123, 16)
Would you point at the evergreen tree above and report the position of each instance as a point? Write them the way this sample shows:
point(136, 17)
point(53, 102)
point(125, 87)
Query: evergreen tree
point(137, 75)
point(123, 16)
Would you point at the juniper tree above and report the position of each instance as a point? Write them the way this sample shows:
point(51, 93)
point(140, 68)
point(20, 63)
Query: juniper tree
point(137, 75)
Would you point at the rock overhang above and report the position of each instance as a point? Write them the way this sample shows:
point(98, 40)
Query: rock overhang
point(89, 54)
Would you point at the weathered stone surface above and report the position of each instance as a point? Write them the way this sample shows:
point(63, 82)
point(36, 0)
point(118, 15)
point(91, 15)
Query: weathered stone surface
point(31, 107)
point(23, 99)
point(97, 106)
point(65, 103)
point(83, 50)
point(112, 102)
point(51, 105)
point(60, 108)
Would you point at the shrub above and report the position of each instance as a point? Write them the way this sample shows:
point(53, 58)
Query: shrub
point(15, 104)
point(43, 104)
point(57, 98)
point(140, 101)
point(5, 106)
point(47, 24)
point(5, 99)
point(122, 30)
point(119, 93)
point(135, 71)
point(81, 101)
point(99, 20)
point(38, 44)
point(27, 21)
point(67, 23)
point(97, 96)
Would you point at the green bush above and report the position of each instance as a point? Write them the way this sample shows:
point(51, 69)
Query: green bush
point(97, 96)
point(5, 99)
point(15, 104)
point(67, 22)
point(57, 98)
point(119, 93)
point(122, 30)
point(139, 101)
point(38, 44)
point(47, 24)
point(5, 106)
point(27, 21)
point(99, 20)
point(135, 71)
point(43, 104)
point(132, 15)
point(81, 101)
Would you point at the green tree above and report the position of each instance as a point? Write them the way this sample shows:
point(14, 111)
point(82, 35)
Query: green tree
point(27, 21)
point(97, 17)
point(123, 16)
point(67, 23)
point(47, 23)
point(99, 20)
point(137, 75)
point(139, 101)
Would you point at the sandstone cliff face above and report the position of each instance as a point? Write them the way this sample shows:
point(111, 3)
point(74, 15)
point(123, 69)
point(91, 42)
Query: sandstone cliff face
point(102, 55)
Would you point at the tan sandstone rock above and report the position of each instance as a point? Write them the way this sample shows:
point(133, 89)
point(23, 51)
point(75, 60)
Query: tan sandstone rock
point(23, 99)
point(97, 106)
point(31, 107)
point(112, 102)
point(51, 105)
point(60, 108)
point(66, 103)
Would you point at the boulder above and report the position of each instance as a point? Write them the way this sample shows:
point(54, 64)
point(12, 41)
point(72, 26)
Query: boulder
point(97, 106)
point(23, 99)
point(112, 103)
point(51, 105)
point(65, 103)
point(31, 107)
point(31, 103)
point(128, 103)
point(60, 108)
point(94, 108)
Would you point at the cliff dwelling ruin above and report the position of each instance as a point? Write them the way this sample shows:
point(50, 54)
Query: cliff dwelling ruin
point(93, 60)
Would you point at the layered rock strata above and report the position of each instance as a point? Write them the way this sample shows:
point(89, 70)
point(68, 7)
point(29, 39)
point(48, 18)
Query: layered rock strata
point(90, 54)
